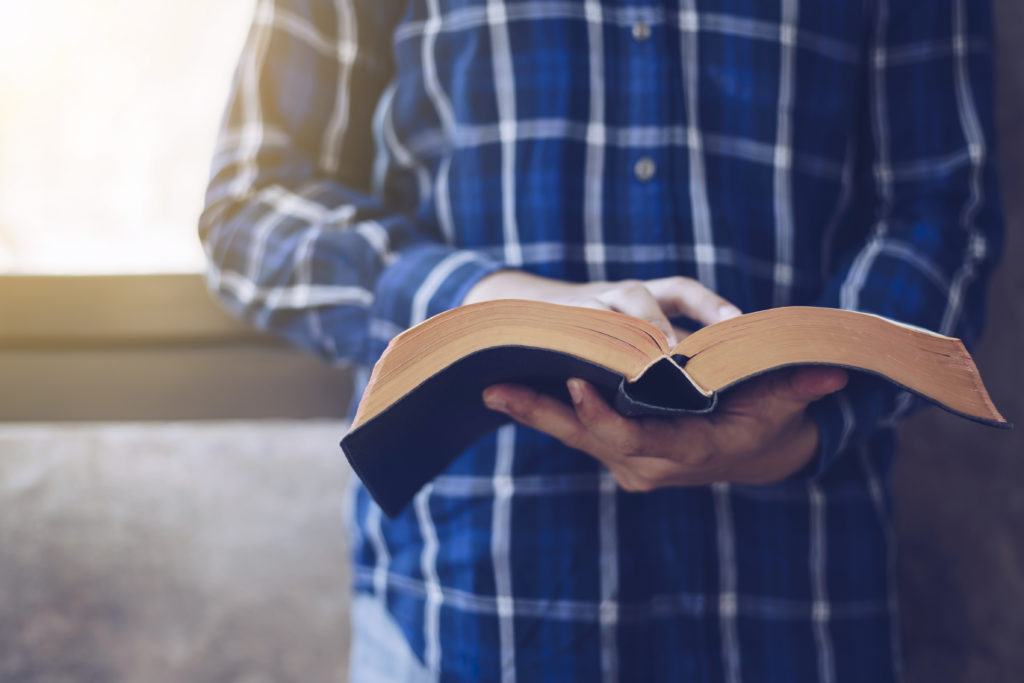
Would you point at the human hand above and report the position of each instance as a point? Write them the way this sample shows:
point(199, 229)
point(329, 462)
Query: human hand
point(760, 432)
point(652, 300)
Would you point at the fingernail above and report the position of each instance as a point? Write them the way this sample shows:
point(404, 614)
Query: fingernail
point(575, 390)
point(495, 401)
point(728, 311)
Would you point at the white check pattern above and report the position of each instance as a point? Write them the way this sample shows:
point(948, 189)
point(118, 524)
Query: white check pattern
point(378, 159)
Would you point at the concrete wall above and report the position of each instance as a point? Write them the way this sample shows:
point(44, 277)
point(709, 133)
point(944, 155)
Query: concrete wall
point(172, 553)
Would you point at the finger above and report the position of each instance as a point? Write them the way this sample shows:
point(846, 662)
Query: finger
point(811, 382)
point(790, 390)
point(543, 413)
point(636, 300)
point(635, 440)
point(681, 333)
point(621, 436)
point(590, 302)
point(685, 296)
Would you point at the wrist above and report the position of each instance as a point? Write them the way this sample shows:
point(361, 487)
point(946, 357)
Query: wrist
point(513, 284)
point(804, 449)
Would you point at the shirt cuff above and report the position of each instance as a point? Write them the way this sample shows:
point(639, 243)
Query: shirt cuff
point(425, 279)
point(849, 416)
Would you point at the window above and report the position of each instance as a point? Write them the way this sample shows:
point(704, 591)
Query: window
point(109, 113)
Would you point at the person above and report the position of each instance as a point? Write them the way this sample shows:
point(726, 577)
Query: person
point(677, 161)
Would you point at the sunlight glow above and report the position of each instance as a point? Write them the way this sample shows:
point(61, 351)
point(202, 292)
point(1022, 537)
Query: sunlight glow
point(108, 111)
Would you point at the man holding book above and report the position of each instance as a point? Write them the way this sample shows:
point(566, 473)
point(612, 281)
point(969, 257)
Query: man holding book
point(679, 161)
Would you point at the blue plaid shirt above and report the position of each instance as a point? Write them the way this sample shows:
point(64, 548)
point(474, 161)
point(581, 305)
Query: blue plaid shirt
point(378, 158)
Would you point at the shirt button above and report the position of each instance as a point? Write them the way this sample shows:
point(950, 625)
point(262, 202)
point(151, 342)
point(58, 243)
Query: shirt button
point(641, 31)
point(644, 169)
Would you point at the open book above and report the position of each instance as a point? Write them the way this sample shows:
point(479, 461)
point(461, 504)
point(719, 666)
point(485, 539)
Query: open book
point(423, 405)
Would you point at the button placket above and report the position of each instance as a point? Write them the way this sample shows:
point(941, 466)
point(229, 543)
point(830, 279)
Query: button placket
point(644, 168)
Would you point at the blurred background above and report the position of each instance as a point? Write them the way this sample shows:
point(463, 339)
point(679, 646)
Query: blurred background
point(170, 481)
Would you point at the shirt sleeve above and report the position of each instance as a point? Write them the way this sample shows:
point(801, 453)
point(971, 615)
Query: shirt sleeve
point(927, 188)
point(298, 241)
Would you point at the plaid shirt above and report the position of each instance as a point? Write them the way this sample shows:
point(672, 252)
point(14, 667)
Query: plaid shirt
point(378, 158)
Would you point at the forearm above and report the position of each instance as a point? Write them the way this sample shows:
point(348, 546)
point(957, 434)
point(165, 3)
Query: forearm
point(298, 243)
point(517, 284)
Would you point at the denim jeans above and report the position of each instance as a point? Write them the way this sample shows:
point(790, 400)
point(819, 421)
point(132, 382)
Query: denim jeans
point(379, 651)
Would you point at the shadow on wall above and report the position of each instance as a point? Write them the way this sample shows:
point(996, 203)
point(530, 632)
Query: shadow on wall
point(960, 512)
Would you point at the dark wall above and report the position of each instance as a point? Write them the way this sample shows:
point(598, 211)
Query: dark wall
point(960, 487)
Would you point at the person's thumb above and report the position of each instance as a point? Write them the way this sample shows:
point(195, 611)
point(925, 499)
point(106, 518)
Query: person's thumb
point(808, 383)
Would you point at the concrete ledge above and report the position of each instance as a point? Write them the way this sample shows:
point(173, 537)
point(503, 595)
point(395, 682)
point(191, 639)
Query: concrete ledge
point(148, 347)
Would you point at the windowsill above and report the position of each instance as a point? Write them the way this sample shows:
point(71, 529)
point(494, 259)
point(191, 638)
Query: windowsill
point(147, 347)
